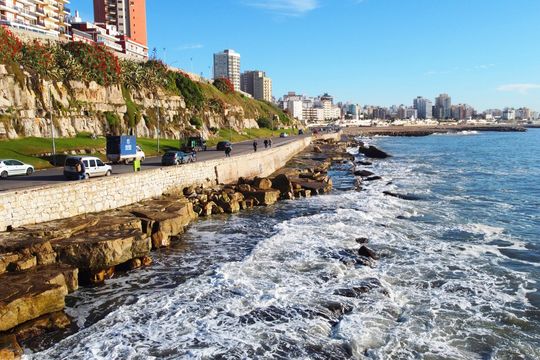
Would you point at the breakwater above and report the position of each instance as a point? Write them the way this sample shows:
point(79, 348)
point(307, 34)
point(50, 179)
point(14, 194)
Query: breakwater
point(414, 131)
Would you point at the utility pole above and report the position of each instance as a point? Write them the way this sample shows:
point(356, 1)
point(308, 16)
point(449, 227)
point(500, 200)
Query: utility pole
point(158, 134)
point(52, 126)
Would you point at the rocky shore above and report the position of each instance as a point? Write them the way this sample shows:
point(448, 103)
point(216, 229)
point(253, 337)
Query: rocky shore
point(40, 264)
point(426, 130)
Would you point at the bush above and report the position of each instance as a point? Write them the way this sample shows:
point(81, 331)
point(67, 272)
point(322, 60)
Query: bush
point(133, 114)
point(98, 63)
point(224, 85)
point(196, 121)
point(38, 58)
point(10, 46)
point(190, 91)
point(112, 119)
point(264, 123)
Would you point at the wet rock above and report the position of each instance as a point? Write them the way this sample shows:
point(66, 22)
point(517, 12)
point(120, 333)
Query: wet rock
point(146, 260)
point(231, 207)
point(190, 190)
point(7, 259)
point(46, 323)
point(25, 263)
point(373, 152)
point(363, 173)
point(97, 277)
point(401, 196)
point(362, 240)
point(284, 185)
point(244, 188)
point(364, 287)
point(262, 183)
point(373, 178)
point(367, 252)
point(365, 163)
point(317, 149)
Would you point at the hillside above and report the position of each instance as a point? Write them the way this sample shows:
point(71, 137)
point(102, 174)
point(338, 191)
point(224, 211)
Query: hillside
point(85, 89)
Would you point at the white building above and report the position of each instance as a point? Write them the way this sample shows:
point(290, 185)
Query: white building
point(296, 109)
point(227, 65)
point(509, 114)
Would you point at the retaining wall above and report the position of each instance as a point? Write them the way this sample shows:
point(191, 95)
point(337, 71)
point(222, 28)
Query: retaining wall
point(52, 202)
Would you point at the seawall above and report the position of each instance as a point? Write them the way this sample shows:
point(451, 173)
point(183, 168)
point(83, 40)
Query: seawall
point(46, 203)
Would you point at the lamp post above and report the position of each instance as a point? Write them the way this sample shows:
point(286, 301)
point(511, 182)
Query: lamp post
point(52, 127)
point(158, 131)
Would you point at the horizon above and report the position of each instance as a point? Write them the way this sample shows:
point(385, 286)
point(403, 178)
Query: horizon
point(373, 52)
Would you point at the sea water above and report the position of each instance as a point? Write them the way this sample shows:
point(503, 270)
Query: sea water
point(458, 274)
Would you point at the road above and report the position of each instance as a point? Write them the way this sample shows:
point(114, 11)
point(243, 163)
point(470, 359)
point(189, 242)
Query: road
point(55, 175)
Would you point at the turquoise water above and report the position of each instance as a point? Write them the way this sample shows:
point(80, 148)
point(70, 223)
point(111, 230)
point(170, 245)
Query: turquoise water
point(457, 278)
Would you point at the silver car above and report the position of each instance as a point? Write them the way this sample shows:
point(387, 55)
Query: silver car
point(12, 167)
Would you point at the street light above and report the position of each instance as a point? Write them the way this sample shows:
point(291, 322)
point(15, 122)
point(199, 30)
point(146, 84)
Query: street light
point(52, 126)
point(158, 121)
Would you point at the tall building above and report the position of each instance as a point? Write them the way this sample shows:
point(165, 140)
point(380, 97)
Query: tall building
point(129, 17)
point(424, 107)
point(443, 107)
point(227, 65)
point(257, 84)
point(295, 108)
point(47, 17)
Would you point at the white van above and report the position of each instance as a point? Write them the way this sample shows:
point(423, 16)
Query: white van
point(93, 167)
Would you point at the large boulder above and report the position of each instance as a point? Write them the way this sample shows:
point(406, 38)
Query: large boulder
point(262, 183)
point(373, 152)
point(264, 197)
point(284, 185)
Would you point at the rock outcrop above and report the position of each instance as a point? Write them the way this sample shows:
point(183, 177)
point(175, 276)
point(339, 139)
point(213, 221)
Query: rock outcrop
point(372, 152)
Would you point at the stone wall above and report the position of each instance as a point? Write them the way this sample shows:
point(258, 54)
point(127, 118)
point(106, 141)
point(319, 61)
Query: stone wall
point(46, 203)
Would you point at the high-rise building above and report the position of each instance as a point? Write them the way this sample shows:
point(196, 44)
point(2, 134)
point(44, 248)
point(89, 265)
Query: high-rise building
point(257, 84)
point(227, 65)
point(47, 17)
point(443, 107)
point(424, 107)
point(129, 17)
point(295, 108)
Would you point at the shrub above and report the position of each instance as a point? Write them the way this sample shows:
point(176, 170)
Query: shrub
point(38, 58)
point(190, 91)
point(196, 121)
point(10, 46)
point(98, 63)
point(112, 119)
point(264, 123)
point(224, 85)
point(133, 114)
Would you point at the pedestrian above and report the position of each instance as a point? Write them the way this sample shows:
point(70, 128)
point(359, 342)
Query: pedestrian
point(255, 145)
point(269, 142)
point(137, 165)
point(265, 143)
point(81, 169)
point(228, 149)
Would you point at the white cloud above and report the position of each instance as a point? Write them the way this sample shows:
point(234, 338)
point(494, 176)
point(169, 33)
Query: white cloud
point(285, 7)
point(189, 47)
point(520, 88)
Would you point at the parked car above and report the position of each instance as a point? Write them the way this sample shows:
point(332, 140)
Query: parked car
point(93, 167)
point(177, 158)
point(283, 135)
point(12, 167)
point(194, 143)
point(222, 145)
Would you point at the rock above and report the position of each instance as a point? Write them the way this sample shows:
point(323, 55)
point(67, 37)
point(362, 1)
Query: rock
point(284, 185)
point(190, 190)
point(10, 348)
point(231, 207)
point(362, 240)
point(207, 208)
point(363, 173)
point(262, 183)
point(7, 259)
point(264, 197)
point(401, 196)
point(373, 178)
point(372, 152)
point(317, 149)
point(367, 252)
point(134, 264)
point(244, 188)
point(146, 260)
point(30, 294)
point(316, 187)
point(99, 276)
point(25, 263)
point(46, 323)
point(105, 249)
point(364, 287)
point(365, 163)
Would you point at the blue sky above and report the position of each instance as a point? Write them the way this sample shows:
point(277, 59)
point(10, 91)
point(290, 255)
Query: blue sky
point(382, 52)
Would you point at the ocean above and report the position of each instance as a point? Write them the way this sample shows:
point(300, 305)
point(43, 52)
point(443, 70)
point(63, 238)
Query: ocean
point(457, 276)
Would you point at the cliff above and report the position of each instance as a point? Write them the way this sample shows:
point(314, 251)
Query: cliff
point(88, 90)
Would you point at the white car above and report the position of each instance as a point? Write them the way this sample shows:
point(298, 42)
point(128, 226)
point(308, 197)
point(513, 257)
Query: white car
point(93, 167)
point(14, 167)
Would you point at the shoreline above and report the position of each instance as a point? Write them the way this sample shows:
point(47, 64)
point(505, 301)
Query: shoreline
point(427, 130)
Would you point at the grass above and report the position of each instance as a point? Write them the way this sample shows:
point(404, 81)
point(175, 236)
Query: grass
point(28, 149)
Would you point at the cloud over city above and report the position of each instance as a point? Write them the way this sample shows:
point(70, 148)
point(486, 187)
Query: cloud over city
point(285, 7)
point(519, 88)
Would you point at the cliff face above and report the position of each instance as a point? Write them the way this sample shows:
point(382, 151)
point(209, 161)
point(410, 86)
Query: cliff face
point(26, 102)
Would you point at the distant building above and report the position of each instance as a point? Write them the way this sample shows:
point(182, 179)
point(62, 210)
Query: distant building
point(295, 108)
point(257, 84)
point(313, 114)
point(509, 114)
point(227, 65)
point(424, 108)
point(46, 17)
point(443, 107)
point(128, 16)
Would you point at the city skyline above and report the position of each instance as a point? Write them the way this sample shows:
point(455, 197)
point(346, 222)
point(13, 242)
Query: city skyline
point(369, 52)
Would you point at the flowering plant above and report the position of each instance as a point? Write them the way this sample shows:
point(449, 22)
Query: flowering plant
point(224, 85)
point(10, 45)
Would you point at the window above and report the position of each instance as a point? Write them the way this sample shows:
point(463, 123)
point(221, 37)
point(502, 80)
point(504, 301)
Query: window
point(18, 163)
point(92, 163)
point(85, 162)
point(100, 163)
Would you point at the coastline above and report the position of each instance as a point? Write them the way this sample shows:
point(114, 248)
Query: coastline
point(426, 130)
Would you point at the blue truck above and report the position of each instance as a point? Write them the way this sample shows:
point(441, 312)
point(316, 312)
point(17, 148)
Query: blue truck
point(123, 149)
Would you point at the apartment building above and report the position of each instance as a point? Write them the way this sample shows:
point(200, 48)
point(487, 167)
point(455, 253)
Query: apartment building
point(227, 66)
point(47, 17)
point(128, 16)
point(257, 84)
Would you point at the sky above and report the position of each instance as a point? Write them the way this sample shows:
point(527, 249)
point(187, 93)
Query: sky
point(484, 53)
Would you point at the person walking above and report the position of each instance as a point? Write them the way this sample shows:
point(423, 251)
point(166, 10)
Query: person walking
point(255, 146)
point(269, 142)
point(228, 149)
point(265, 143)
point(81, 170)
point(137, 165)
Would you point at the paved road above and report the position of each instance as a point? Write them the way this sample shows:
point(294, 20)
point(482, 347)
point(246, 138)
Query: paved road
point(55, 175)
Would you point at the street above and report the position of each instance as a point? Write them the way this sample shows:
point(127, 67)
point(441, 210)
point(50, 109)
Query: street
point(55, 175)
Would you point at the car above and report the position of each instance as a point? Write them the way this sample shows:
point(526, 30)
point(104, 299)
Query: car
point(94, 167)
point(283, 135)
point(300, 132)
point(177, 158)
point(10, 167)
point(222, 145)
